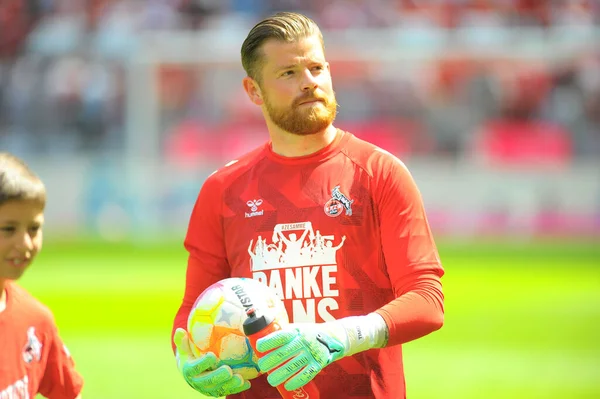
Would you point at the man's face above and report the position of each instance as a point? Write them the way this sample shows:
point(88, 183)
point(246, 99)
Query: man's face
point(20, 236)
point(296, 86)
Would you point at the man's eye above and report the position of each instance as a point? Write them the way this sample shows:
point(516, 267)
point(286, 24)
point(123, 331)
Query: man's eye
point(7, 229)
point(287, 73)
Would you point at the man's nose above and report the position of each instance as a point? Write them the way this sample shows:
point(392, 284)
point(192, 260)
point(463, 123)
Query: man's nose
point(309, 82)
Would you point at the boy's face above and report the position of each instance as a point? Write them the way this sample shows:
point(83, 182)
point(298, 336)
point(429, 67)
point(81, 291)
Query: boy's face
point(20, 236)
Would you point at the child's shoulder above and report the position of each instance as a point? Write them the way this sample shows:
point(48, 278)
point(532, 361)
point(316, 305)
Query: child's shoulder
point(26, 304)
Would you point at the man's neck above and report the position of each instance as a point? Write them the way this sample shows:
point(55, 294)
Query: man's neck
point(293, 145)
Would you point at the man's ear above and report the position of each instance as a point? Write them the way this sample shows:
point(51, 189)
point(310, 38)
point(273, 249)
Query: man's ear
point(252, 90)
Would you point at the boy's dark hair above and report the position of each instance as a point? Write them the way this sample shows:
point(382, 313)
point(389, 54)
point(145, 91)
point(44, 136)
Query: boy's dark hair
point(283, 26)
point(18, 182)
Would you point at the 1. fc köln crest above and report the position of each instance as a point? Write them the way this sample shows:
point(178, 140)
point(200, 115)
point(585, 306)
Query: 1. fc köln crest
point(338, 203)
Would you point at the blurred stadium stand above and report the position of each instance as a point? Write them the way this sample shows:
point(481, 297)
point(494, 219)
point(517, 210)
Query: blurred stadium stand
point(494, 104)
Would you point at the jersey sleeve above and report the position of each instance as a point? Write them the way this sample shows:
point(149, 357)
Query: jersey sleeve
point(411, 256)
point(60, 380)
point(204, 241)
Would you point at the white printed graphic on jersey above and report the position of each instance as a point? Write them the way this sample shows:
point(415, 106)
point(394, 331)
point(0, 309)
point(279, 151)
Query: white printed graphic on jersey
point(300, 265)
point(18, 390)
point(293, 245)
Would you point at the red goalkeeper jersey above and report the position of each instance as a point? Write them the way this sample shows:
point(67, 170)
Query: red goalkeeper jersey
point(33, 359)
point(338, 233)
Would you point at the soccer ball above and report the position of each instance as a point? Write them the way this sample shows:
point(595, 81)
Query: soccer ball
point(215, 323)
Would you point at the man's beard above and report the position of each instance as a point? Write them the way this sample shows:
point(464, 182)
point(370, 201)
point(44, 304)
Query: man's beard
point(304, 120)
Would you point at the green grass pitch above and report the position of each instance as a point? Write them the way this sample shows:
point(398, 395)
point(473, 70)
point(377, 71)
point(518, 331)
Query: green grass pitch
point(522, 320)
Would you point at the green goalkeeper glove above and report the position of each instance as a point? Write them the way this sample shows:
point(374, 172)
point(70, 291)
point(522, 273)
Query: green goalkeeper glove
point(300, 351)
point(202, 373)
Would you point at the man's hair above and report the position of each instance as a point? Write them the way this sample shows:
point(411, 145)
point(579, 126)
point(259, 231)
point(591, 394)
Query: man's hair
point(283, 26)
point(18, 182)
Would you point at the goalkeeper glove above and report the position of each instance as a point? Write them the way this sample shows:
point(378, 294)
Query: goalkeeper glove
point(300, 351)
point(202, 374)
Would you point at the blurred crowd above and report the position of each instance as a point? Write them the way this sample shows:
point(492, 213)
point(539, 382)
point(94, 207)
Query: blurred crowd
point(63, 81)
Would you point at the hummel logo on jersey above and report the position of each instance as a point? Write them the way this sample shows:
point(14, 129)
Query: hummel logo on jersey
point(254, 205)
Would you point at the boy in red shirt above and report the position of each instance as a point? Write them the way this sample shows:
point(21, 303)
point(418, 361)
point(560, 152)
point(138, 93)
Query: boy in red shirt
point(33, 359)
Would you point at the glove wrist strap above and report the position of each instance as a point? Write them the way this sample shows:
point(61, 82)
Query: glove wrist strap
point(363, 332)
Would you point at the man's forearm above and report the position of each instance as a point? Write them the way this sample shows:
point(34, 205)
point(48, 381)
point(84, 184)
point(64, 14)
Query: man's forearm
point(416, 313)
